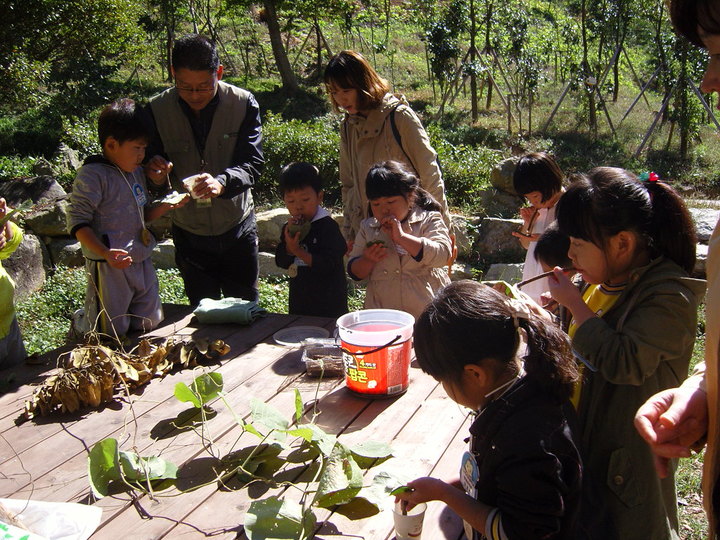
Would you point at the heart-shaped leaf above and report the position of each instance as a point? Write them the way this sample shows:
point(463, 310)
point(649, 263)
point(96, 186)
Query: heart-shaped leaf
point(340, 479)
point(268, 416)
point(273, 518)
point(103, 466)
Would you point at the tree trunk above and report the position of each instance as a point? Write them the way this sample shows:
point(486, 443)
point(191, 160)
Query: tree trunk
point(289, 82)
point(473, 59)
point(684, 116)
point(588, 72)
point(486, 49)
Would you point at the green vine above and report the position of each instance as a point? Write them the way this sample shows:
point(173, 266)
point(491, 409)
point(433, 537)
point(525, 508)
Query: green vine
point(337, 483)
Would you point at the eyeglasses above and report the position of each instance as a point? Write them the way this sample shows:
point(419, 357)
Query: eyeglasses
point(202, 90)
point(188, 90)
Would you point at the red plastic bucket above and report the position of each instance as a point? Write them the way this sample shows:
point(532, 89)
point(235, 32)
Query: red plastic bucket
point(377, 346)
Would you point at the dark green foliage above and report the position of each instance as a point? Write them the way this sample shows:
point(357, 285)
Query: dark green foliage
point(442, 37)
point(72, 47)
point(34, 132)
point(44, 316)
point(316, 142)
point(15, 166)
point(466, 166)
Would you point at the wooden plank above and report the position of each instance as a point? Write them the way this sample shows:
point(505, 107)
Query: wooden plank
point(257, 361)
point(380, 420)
point(337, 410)
point(418, 445)
point(108, 421)
point(167, 511)
point(440, 521)
point(70, 477)
point(34, 432)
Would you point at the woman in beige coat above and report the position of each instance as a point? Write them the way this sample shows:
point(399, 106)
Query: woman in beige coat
point(378, 126)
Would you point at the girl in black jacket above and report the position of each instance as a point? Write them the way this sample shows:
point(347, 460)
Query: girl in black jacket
point(522, 475)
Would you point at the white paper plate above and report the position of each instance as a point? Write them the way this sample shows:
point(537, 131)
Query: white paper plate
point(292, 336)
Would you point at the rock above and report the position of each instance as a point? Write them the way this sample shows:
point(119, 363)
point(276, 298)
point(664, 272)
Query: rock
point(461, 271)
point(50, 220)
point(464, 230)
point(65, 252)
point(66, 160)
point(269, 225)
point(27, 266)
point(700, 261)
point(163, 256)
point(268, 267)
point(161, 227)
point(42, 167)
point(497, 203)
point(36, 189)
point(501, 176)
point(705, 220)
point(495, 242)
point(511, 273)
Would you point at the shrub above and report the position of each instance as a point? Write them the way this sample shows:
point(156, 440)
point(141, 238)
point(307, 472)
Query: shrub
point(466, 169)
point(15, 167)
point(44, 316)
point(316, 142)
point(34, 132)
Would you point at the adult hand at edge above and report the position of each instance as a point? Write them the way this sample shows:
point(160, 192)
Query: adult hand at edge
point(671, 422)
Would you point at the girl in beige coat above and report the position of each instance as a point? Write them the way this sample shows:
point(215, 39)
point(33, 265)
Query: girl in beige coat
point(403, 248)
point(378, 126)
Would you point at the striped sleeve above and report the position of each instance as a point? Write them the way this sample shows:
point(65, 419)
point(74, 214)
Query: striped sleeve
point(494, 527)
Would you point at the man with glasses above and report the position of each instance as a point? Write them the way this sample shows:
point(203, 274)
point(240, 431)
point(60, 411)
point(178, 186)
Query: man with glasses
point(208, 133)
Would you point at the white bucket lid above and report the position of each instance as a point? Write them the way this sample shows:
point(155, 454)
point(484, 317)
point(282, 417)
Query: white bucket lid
point(350, 327)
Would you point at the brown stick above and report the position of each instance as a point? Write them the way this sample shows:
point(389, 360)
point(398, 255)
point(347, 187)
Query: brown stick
point(540, 276)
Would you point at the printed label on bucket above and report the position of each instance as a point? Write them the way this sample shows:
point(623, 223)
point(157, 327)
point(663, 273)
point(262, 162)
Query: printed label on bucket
point(384, 372)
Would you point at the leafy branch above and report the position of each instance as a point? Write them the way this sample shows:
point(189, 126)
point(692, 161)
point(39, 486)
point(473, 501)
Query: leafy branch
point(337, 483)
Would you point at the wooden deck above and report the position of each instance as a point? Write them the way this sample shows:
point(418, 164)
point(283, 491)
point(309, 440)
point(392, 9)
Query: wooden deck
point(46, 459)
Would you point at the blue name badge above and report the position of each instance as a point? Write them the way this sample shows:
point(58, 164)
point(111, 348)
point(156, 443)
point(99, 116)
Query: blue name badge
point(139, 193)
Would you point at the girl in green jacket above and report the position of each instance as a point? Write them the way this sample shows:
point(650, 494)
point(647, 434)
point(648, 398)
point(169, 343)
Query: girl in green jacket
point(632, 331)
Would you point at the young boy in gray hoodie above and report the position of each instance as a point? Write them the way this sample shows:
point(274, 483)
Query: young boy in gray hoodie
point(108, 212)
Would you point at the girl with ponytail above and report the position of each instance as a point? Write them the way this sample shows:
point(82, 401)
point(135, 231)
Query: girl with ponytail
point(632, 331)
point(522, 475)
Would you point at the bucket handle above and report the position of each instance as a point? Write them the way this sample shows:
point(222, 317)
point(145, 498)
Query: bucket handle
point(380, 348)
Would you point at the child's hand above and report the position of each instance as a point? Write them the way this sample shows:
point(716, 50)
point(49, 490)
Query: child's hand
point(525, 239)
point(527, 213)
point(392, 228)
point(375, 252)
point(157, 169)
point(562, 289)
point(423, 490)
point(292, 243)
point(547, 302)
point(182, 202)
point(118, 258)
